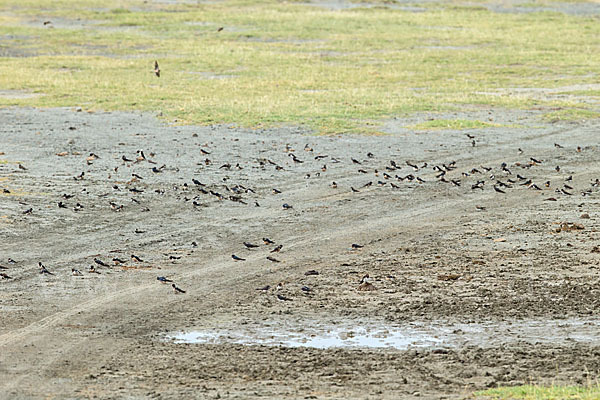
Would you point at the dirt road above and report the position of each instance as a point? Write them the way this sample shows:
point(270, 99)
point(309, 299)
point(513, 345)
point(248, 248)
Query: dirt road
point(441, 247)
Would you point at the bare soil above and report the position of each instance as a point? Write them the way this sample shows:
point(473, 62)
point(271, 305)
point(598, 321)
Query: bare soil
point(436, 252)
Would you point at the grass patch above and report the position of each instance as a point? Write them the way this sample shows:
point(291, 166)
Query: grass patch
point(452, 124)
point(285, 63)
point(571, 114)
point(534, 392)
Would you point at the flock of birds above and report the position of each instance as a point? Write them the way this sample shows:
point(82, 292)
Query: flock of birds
point(392, 174)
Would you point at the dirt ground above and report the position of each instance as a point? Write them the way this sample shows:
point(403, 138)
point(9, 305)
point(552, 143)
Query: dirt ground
point(440, 251)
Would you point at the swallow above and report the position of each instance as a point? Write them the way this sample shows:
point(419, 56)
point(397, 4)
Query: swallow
point(5, 276)
point(174, 257)
point(311, 272)
point(136, 258)
point(100, 262)
point(368, 184)
point(76, 272)
point(176, 290)
point(569, 178)
point(219, 29)
point(125, 159)
point(134, 190)
point(550, 199)
point(137, 176)
point(557, 168)
point(156, 69)
point(296, 159)
point(357, 246)
point(268, 241)
point(286, 206)
point(563, 191)
point(28, 211)
point(236, 258)
point(362, 171)
point(416, 168)
point(3, 267)
point(276, 249)
point(11, 261)
point(204, 152)
point(250, 245)
point(283, 298)
point(497, 189)
point(547, 184)
point(163, 279)
point(118, 261)
point(480, 208)
point(21, 166)
point(276, 191)
point(567, 187)
point(273, 259)
point(526, 183)
point(534, 186)
point(334, 185)
point(535, 161)
point(305, 289)
point(558, 146)
point(354, 190)
point(80, 176)
point(43, 269)
point(264, 288)
point(469, 136)
point(355, 161)
point(320, 157)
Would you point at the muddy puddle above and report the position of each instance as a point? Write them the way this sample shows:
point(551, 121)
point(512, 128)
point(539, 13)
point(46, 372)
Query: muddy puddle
point(413, 335)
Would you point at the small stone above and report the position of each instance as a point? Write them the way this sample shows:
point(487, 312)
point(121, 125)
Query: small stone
point(585, 216)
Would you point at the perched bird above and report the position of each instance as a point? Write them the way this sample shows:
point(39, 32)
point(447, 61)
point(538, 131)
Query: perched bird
point(497, 189)
point(272, 259)
point(126, 159)
point(156, 69)
point(250, 245)
point(268, 241)
point(43, 269)
point(136, 258)
point(286, 206)
point(276, 249)
point(92, 270)
point(176, 290)
point(100, 262)
point(163, 279)
point(264, 288)
point(311, 272)
point(4, 276)
point(283, 298)
point(305, 289)
point(236, 258)
point(357, 246)
point(76, 272)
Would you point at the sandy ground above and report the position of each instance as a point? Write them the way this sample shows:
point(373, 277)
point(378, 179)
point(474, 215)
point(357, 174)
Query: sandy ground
point(437, 253)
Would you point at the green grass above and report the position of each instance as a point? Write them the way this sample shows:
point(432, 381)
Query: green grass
point(285, 63)
point(437, 124)
point(534, 392)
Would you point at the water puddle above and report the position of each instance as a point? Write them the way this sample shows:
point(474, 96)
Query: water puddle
point(413, 335)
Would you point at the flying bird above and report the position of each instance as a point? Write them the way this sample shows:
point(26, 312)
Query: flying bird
point(156, 69)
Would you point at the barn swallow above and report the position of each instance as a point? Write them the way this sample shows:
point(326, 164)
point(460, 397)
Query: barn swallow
point(394, 185)
point(558, 146)
point(307, 147)
point(534, 186)
point(311, 272)
point(283, 298)
point(497, 189)
point(11, 261)
point(21, 166)
point(28, 211)
point(354, 190)
point(366, 185)
point(264, 288)
point(134, 190)
point(137, 176)
point(156, 69)
point(236, 258)
point(547, 184)
point(219, 29)
point(320, 157)
point(296, 159)
point(136, 258)
point(204, 152)
point(567, 187)
point(334, 185)
point(370, 155)
point(355, 161)
point(416, 168)
point(276, 191)
point(357, 246)
point(268, 241)
point(535, 161)
point(557, 168)
point(5, 276)
point(362, 171)
point(126, 159)
point(563, 191)
point(80, 176)
point(273, 259)
point(43, 269)
point(286, 206)
point(163, 279)
point(569, 178)
point(118, 261)
point(76, 272)
point(305, 289)
point(176, 290)
point(526, 183)
point(276, 249)
point(480, 208)
point(250, 245)
point(100, 262)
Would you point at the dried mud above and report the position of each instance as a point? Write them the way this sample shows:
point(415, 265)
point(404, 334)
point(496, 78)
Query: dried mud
point(435, 251)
